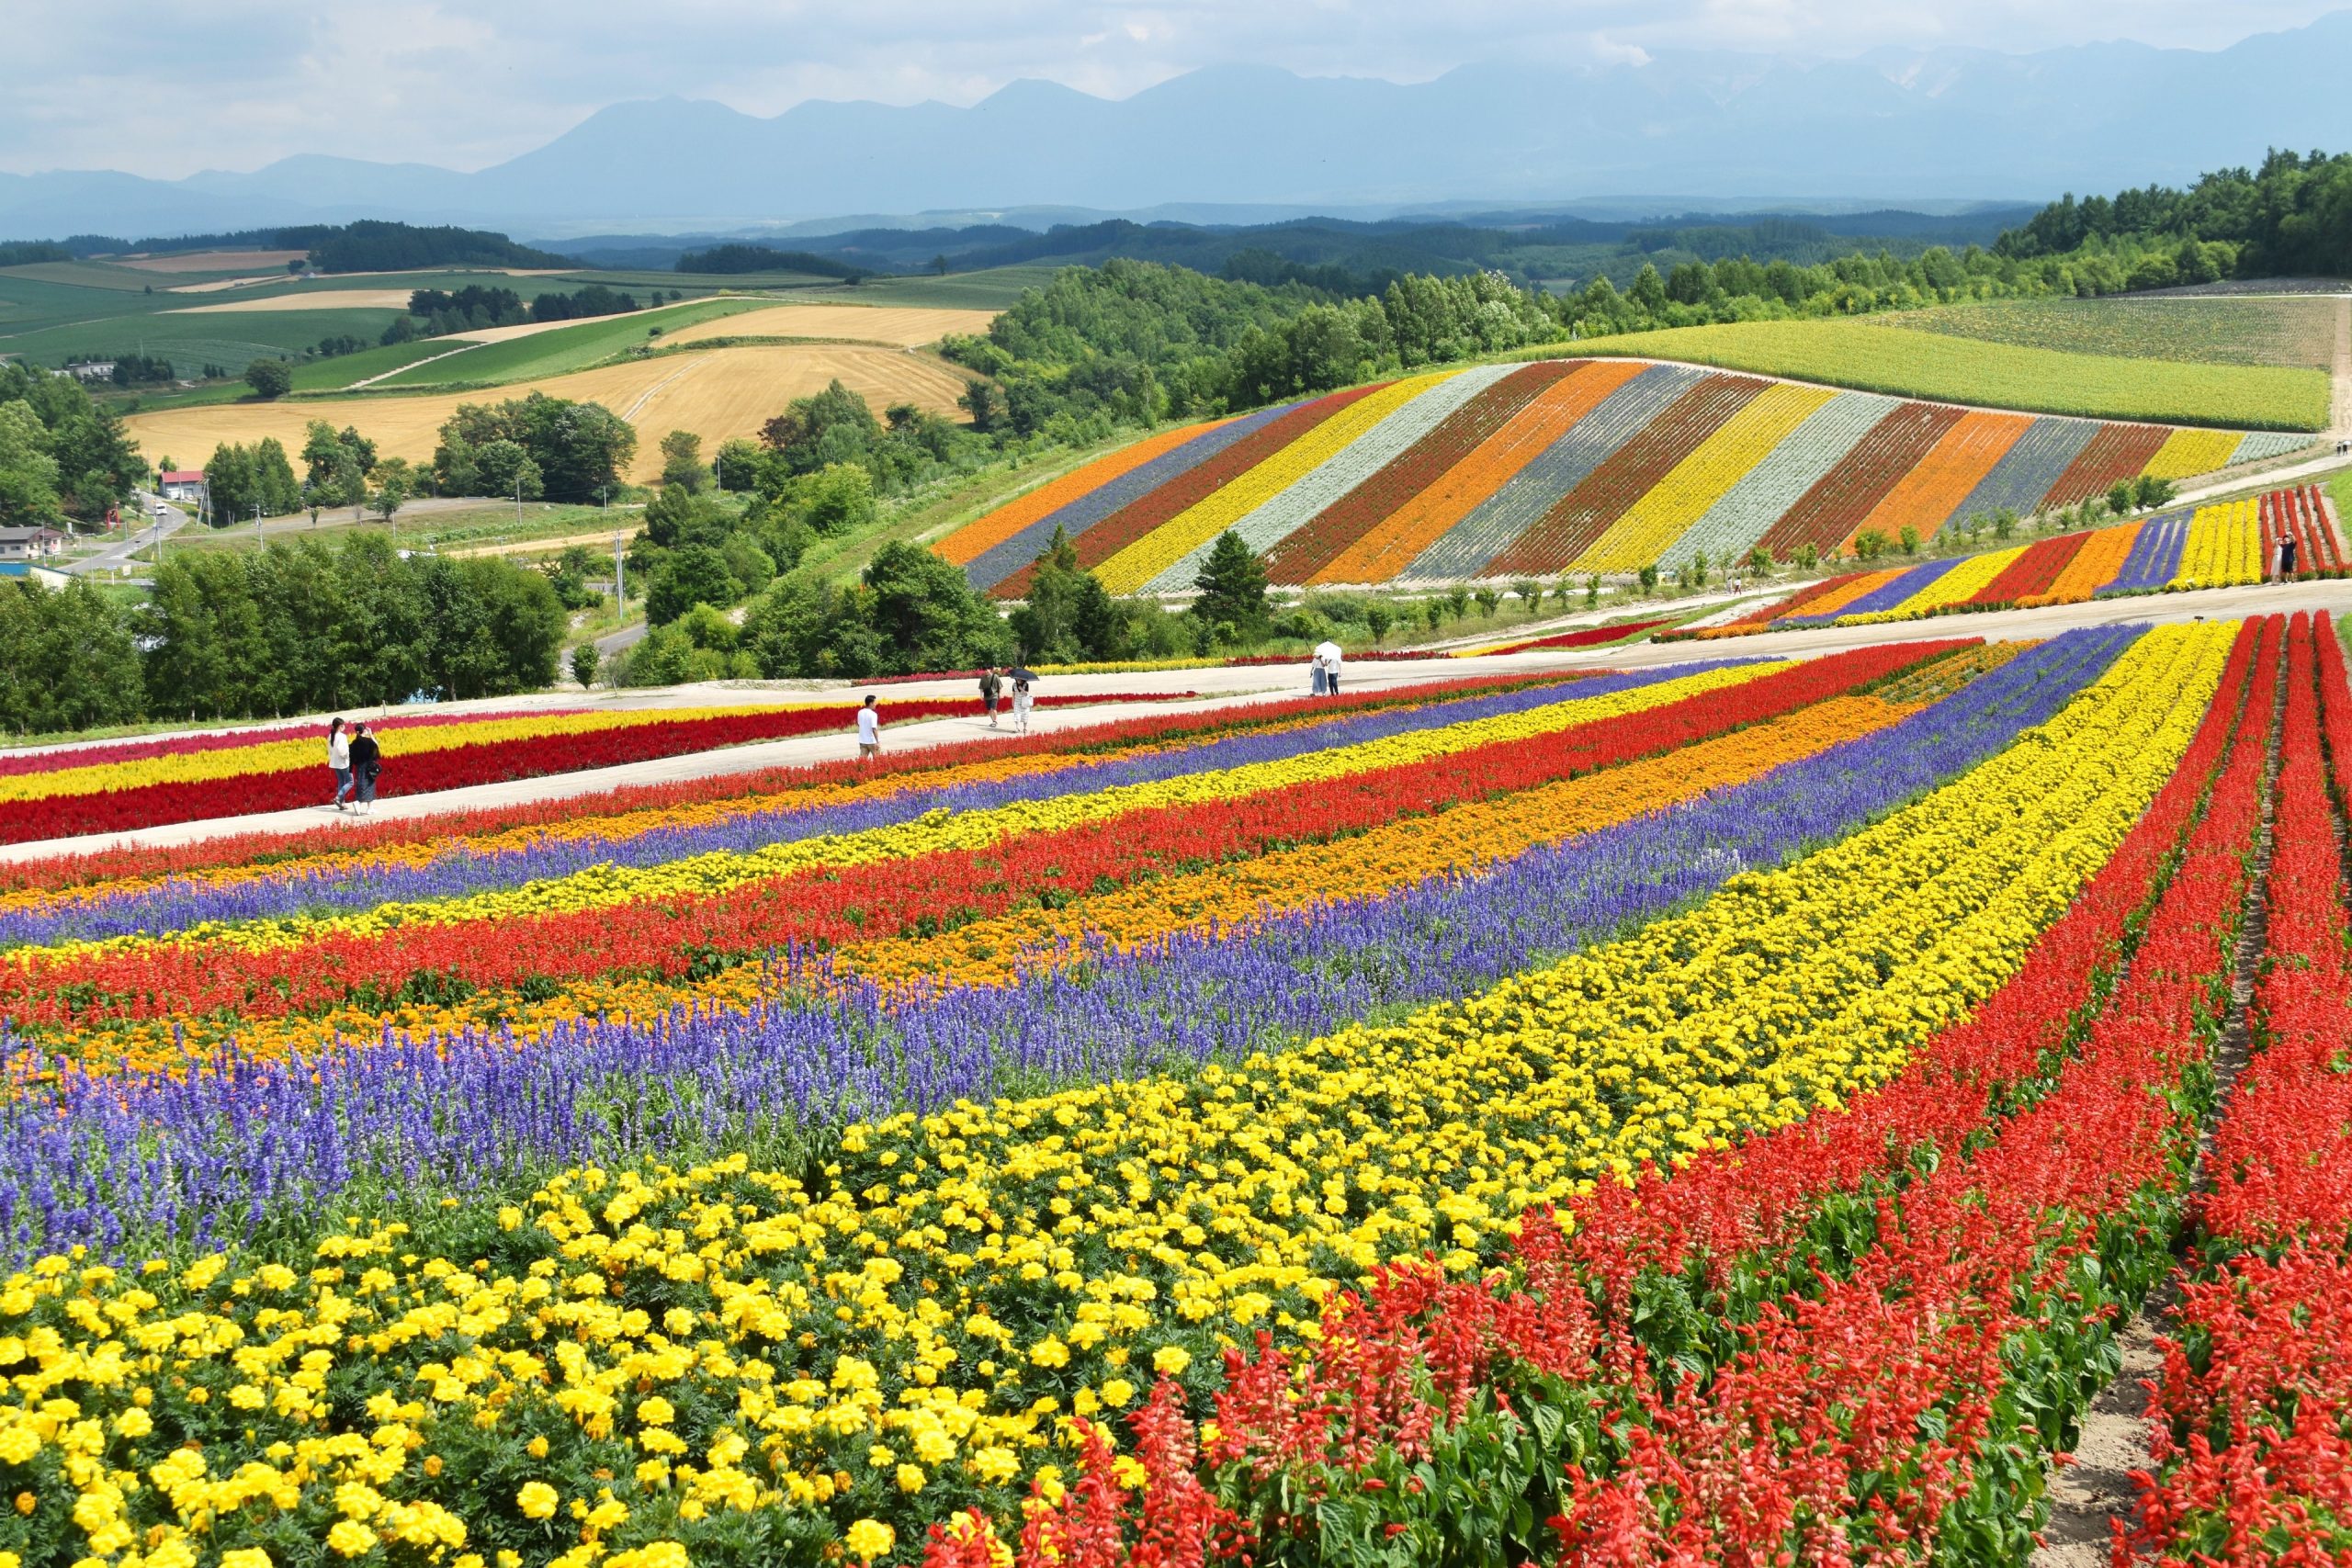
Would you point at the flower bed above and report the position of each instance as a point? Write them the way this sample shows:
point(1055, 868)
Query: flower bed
point(1722, 1108)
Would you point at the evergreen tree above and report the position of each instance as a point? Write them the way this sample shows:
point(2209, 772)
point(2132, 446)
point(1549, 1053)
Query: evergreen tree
point(1233, 587)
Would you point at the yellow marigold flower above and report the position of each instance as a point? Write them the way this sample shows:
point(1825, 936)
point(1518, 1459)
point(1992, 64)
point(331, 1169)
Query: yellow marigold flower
point(536, 1448)
point(536, 1499)
point(870, 1539)
point(910, 1478)
point(349, 1538)
point(1171, 1360)
point(247, 1557)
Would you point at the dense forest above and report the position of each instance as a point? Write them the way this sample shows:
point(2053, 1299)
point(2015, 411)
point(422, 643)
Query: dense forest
point(2291, 216)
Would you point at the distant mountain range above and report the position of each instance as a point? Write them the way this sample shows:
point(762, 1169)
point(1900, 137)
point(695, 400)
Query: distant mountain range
point(1893, 126)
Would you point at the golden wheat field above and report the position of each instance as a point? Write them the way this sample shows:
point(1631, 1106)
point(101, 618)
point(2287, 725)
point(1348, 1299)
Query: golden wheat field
point(905, 326)
point(717, 395)
point(316, 299)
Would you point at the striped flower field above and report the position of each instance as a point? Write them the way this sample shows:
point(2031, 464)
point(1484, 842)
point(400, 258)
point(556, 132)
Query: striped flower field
point(1574, 465)
point(1730, 1104)
point(2223, 546)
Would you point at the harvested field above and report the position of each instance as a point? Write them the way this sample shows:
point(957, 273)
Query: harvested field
point(904, 326)
point(315, 299)
point(719, 395)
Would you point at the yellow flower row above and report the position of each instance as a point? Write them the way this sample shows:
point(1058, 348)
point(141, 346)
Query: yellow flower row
point(281, 756)
point(2223, 548)
point(1138, 563)
point(1666, 511)
point(722, 1339)
point(721, 871)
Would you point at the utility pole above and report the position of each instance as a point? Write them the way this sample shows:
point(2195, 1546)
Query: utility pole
point(620, 579)
point(518, 498)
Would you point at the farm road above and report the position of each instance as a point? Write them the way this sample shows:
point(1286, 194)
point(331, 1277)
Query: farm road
point(1217, 689)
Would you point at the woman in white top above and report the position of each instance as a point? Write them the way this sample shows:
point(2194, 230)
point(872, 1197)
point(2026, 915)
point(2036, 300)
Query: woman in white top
point(1022, 698)
point(339, 761)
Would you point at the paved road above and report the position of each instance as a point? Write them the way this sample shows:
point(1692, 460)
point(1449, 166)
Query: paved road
point(135, 538)
point(1216, 688)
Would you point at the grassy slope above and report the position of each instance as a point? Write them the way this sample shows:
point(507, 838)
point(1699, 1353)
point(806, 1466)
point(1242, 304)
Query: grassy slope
point(491, 524)
point(1863, 354)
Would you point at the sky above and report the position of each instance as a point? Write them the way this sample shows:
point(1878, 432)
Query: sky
point(164, 88)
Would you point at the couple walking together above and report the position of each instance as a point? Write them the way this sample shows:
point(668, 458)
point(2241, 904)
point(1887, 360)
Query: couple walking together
point(992, 689)
point(355, 761)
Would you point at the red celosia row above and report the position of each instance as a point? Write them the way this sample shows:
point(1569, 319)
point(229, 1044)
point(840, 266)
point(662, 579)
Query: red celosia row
point(129, 865)
point(827, 905)
point(1854, 1420)
point(2252, 1417)
point(2299, 514)
point(456, 767)
point(1589, 636)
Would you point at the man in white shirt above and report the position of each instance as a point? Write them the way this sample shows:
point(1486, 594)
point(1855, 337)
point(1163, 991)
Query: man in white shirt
point(1326, 653)
point(869, 731)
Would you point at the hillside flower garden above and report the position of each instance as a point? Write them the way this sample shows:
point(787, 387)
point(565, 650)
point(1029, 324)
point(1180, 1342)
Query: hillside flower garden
point(1719, 1112)
point(1574, 465)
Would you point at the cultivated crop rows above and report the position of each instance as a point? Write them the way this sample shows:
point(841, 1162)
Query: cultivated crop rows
point(2225, 544)
point(1723, 1113)
point(1563, 466)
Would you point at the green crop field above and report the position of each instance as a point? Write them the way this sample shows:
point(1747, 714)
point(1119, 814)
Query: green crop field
point(564, 349)
point(991, 290)
point(2215, 330)
point(189, 342)
point(1861, 354)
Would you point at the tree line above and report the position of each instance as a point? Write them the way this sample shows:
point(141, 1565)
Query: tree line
point(293, 628)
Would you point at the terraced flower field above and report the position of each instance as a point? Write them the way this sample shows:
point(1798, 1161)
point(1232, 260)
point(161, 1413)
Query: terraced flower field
point(1734, 1102)
point(2227, 545)
point(1576, 466)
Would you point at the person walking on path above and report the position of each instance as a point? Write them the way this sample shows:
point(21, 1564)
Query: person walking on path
point(1314, 677)
point(869, 731)
point(1022, 698)
point(367, 761)
point(1328, 655)
point(991, 687)
point(2286, 557)
point(339, 761)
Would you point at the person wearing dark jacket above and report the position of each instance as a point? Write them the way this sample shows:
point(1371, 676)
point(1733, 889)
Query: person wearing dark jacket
point(367, 761)
point(991, 687)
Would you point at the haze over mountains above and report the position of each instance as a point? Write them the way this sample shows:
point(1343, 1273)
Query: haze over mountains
point(1947, 124)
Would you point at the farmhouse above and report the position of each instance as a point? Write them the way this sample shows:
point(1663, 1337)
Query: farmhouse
point(182, 484)
point(92, 370)
point(30, 544)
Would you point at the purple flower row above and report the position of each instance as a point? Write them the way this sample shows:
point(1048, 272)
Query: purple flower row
point(256, 1149)
point(2156, 555)
point(179, 903)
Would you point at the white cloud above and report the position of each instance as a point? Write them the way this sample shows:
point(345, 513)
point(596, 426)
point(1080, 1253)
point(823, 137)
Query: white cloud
point(235, 84)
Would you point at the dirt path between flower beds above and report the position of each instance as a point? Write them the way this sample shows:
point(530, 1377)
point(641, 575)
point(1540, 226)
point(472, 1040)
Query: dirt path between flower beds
point(2095, 1492)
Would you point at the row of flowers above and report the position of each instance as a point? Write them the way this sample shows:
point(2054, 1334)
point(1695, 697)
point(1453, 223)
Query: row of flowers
point(2227, 545)
point(51, 881)
point(289, 774)
point(43, 759)
point(983, 916)
point(742, 1363)
point(935, 870)
point(2249, 1420)
point(1564, 464)
point(109, 1159)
